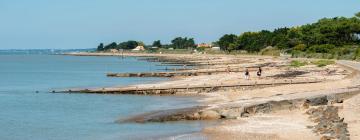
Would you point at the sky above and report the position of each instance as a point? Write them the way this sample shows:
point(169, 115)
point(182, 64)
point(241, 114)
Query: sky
point(68, 24)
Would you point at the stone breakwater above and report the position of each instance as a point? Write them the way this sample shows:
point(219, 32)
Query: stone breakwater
point(173, 90)
point(242, 110)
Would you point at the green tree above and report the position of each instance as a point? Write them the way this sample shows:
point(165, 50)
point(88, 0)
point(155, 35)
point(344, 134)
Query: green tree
point(324, 48)
point(280, 38)
point(357, 53)
point(100, 47)
point(225, 41)
point(110, 46)
point(254, 41)
point(140, 43)
point(183, 43)
point(300, 47)
point(357, 14)
point(334, 32)
point(157, 43)
point(128, 45)
point(232, 46)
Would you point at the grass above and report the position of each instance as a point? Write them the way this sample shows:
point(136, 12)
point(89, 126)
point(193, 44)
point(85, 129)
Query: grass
point(297, 63)
point(270, 52)
point(323, 63)
point(319, 63)
point(347, 52)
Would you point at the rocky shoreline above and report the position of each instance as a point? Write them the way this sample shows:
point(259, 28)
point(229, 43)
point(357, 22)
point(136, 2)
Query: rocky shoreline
point(322, 89)
point(235, 111)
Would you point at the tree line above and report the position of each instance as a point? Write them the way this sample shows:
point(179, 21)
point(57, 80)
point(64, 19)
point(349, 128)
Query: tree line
point(131, 44)
point(176, 43)
point(327, 35)
point(323, 36)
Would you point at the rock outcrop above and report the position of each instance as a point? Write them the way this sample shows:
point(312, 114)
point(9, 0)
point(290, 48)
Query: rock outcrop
point(328, 123)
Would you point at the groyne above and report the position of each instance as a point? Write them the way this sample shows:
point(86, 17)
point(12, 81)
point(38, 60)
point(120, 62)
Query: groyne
point(171, 90)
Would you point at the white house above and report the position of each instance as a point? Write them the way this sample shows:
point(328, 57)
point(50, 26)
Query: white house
point(139, 48)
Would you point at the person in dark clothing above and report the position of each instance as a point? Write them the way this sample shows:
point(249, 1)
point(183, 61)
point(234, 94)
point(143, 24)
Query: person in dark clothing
point(259, 72)
point(247, 74)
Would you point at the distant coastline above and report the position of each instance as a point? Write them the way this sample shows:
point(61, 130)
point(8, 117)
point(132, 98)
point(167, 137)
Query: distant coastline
point(43, 51)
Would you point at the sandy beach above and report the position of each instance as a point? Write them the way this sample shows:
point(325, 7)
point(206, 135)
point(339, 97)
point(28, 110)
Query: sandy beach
point(278, 105)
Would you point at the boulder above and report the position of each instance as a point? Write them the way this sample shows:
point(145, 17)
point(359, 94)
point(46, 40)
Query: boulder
point(209, 115)
point(230, 114)
point(317, 101)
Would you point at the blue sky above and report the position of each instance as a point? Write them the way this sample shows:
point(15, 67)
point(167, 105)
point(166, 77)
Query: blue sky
point(26, 24)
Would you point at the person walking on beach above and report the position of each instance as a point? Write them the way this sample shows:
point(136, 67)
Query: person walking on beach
point(259, 72)
point(247, 74)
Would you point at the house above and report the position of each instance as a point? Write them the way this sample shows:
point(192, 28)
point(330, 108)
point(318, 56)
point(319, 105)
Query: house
point(204, 45)
point(139, 48)
point(114, 50)
point(215, 48)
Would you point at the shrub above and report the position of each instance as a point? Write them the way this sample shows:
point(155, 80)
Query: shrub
point(325, 48)
point(300, 47)
point(270, 51)
point(323, 63)
point(357, 53)
point(297, 63)
point(200, 49)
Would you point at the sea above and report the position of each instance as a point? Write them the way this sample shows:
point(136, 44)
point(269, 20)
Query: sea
point(29, 111)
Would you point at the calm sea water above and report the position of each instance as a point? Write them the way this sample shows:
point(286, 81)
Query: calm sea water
point(28, 115)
